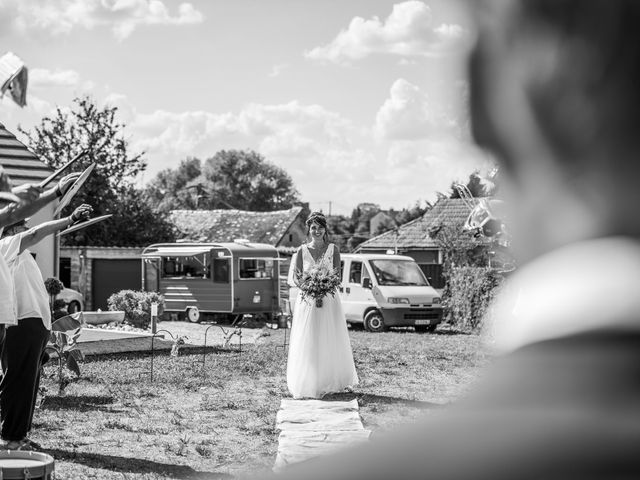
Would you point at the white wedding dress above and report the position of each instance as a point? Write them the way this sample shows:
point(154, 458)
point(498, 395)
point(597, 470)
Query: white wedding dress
point(320, 357)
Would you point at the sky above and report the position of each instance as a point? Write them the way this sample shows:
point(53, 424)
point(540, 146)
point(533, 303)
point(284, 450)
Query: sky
point(358, 100)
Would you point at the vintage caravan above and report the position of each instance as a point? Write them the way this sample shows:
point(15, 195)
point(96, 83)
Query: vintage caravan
point(383, 290)
point(225, 279)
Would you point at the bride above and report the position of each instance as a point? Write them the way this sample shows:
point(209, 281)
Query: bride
point(320, 358)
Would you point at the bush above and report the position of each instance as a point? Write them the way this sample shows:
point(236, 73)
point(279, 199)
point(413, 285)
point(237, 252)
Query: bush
point(53, 286)
point(136, 306)
point(467, 295)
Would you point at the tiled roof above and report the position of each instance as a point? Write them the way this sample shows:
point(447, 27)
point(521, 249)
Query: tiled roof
point(20, 163)
point(228, 225)
point(450, 212)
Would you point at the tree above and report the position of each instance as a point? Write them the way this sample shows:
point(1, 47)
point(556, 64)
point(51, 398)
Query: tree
point(340, 229)
point(408, 214)
point(110, 188)
point(134, 224)
point(474, 184)
point(243, 179)
point(176, 189)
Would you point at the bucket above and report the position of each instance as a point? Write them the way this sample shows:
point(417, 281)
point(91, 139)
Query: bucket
point(22, 465)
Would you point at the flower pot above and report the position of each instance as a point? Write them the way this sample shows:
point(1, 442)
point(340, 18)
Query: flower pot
point(318, 302)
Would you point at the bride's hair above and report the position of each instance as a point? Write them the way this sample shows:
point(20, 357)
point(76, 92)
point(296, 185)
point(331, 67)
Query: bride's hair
point(320, 219)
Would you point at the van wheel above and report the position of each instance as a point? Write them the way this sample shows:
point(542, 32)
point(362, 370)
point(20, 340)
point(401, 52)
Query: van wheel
point(374, 322)
point(193, 314)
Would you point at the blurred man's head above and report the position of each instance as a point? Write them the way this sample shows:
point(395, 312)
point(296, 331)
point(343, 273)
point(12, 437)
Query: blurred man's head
point(554, 95)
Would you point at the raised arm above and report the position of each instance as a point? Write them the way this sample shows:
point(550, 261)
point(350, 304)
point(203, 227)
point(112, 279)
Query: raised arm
point(37, 233)
point(34, 199)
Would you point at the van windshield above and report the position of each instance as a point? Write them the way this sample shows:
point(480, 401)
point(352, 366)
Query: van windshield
point(398, 272)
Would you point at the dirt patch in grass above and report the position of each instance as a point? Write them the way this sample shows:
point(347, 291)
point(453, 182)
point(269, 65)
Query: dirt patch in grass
point(219, 422)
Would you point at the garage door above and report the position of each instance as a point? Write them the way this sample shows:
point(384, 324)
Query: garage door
point(111, 276)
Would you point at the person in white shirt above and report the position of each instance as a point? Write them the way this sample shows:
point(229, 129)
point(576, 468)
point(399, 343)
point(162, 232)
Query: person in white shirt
point(32, 199)
point(25, 342)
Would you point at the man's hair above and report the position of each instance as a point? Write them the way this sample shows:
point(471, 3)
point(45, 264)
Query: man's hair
point(580, 77)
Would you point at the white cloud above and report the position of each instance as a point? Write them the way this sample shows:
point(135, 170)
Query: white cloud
point(59, 17)
point(41, 77)
point(409, 31)
point(409, 115)
point(277, 70)
point(328, 157)
point(425, 167)
point(315, 146)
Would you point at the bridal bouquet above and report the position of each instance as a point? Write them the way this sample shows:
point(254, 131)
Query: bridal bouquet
point(319, 281)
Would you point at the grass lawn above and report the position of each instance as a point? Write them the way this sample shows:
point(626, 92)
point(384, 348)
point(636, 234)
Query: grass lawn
point(218, 422)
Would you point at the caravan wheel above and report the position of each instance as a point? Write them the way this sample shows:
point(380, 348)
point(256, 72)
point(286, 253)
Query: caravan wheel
point(193, 314)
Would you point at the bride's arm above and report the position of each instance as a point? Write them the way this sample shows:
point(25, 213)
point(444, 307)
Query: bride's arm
point(297, 272)
point(336, 259)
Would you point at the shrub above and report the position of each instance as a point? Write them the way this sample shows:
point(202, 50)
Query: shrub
point(136, 306)
point(467, 295)
point(53, 286)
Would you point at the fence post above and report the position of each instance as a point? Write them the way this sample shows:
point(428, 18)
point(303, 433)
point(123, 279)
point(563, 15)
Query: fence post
point(154, 317)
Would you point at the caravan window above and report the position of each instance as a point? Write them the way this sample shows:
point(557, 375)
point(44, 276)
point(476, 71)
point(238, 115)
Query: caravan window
point(256, 268)
point(221, 270)
point(194, 266)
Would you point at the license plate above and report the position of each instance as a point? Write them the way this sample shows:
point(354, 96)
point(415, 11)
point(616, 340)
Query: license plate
point(256, 299)
point(423, 322)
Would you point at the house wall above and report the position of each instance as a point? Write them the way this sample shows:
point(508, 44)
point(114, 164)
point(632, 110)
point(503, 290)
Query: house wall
point(295, 235)
point(82, 266)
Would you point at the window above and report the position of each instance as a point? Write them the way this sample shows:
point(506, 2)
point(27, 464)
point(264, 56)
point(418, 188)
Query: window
point(221, 270)
point(398, 272)
point(355, 272)
point(65, 271)
point(256, 268)
point(194, 266)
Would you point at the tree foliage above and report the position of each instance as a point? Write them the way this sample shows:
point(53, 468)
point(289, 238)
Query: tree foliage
point(176, 189)
point(231, 179)
point(110, 188)
point(476, 185)
point(468, 295)
point(350, 231)
point(243, 179)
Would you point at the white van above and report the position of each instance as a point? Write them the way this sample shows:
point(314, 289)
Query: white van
point(382, 290)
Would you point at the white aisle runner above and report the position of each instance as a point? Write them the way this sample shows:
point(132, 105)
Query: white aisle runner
point(310, 428)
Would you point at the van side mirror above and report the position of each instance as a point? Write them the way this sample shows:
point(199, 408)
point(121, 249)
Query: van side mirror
point(366, 283)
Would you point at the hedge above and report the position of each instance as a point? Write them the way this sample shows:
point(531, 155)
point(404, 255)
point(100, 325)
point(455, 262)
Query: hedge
point(468, 293)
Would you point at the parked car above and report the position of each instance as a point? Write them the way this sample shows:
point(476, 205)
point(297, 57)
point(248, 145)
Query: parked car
point(73, 299)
